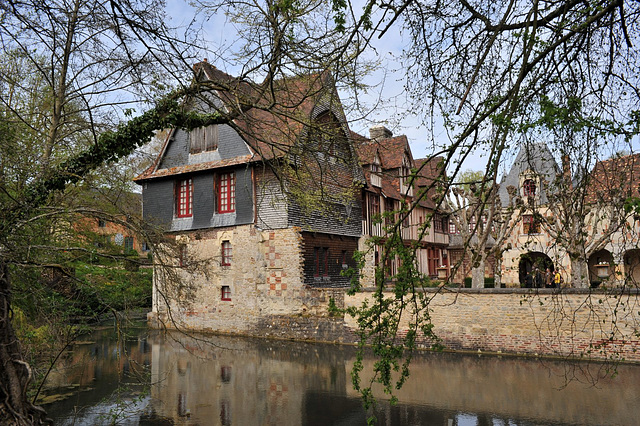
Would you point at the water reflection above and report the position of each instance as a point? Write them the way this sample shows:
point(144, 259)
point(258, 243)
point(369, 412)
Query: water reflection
point(234, 381)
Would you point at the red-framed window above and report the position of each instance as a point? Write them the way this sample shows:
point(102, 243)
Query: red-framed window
point(226, 253)
point(530, 225)
point(226, 292)
point(529, 188)
point(226, 192)
point(184, 198)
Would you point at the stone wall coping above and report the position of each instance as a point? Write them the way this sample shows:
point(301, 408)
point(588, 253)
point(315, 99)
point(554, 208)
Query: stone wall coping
point(523, 291)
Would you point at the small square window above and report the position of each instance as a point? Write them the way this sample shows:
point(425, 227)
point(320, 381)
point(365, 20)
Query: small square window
point(226, 292)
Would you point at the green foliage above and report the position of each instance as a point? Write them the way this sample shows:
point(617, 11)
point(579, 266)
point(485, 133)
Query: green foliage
point(398, 303)
point(117, 287)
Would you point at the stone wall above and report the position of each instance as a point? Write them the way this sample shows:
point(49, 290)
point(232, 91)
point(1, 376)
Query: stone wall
point(566, 323)
point(269, 300)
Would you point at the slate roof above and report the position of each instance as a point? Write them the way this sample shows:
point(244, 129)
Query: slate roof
point(535, 157)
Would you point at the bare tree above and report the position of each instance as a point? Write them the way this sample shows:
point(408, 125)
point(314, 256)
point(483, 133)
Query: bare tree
point(483, 222)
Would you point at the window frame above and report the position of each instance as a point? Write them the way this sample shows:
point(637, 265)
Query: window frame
point(128, 241)
point(203, 139)
point(184, 198)
point(529, 187)
point(226, 253)
point(226, 192)
point(225, 293)
point(530, 226)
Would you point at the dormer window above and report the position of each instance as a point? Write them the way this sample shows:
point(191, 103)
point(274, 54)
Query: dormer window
point(203, 139)
point(405, 177)
point(376, 178)
point(328, 135)
point(529, 188)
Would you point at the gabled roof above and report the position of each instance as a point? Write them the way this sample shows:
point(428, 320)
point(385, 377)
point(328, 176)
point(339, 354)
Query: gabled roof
point(269, 119)
point(391, 151)
point(430, 171)
point(280, 112)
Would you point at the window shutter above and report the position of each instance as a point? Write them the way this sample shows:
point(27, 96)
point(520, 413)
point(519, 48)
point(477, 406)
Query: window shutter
point(196, 137)
point(211, 138)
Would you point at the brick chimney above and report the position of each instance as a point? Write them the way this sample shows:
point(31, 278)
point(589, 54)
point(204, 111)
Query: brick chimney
point(379, 132)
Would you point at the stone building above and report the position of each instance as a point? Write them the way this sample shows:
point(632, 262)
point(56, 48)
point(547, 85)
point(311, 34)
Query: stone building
point(575, 224)
point(265, 210)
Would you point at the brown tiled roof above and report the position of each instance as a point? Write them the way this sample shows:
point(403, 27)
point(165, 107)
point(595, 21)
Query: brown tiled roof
point(390, 150)
point(277, 119)
point(429, 171)
point(280, 112)
point(191, 168)
point(614, 178)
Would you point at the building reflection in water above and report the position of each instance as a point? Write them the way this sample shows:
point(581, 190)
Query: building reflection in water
point(237, 381)
point(256, 382)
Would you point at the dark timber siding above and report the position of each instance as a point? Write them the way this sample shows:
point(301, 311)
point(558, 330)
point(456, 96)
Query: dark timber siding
point(336, 246)
point(230, 145)
point(338, 220)
point(158, 202)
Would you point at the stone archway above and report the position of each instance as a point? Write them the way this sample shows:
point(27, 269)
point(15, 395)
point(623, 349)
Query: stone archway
point(530, 261)
point(601, 267)
point(632, 267)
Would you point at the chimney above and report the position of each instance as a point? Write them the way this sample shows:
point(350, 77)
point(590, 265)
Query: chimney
point(379, 132)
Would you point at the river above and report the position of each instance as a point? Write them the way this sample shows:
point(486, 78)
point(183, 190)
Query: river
point(157, 378)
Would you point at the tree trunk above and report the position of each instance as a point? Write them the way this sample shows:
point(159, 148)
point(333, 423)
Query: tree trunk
point(497, 272)
point(15, 409)
point(477, 275)
point(579, 273)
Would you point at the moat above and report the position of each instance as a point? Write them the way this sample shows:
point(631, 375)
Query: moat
point(158, 378)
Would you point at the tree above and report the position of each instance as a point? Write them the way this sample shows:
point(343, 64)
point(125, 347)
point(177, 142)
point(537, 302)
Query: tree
point(90, 64)
point(483, 222)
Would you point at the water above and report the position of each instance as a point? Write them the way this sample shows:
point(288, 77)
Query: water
point(235, 381)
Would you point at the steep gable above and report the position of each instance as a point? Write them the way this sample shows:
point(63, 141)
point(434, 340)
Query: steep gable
point(536, 163)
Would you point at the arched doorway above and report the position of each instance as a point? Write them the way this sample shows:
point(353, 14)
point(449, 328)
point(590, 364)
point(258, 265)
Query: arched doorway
point(632, 267)
point(532, 268)
point(601, 267)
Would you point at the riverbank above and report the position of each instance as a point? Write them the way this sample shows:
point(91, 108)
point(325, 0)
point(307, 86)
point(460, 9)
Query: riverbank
point(597, 324)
